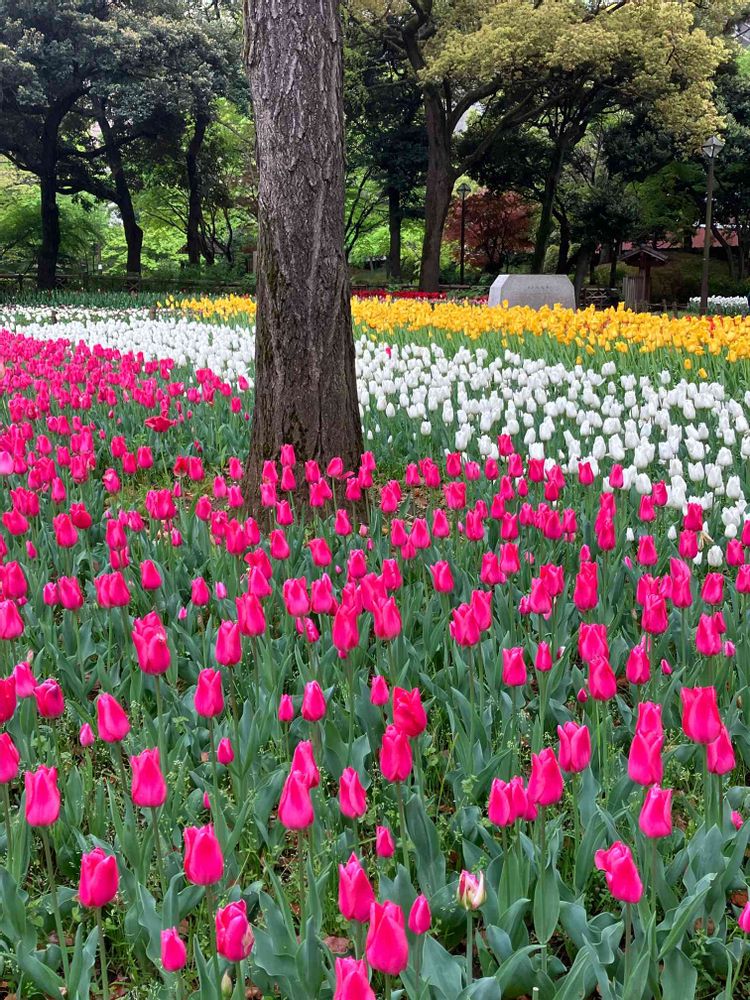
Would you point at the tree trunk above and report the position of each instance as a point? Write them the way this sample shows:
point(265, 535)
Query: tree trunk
point(50, 246)
point(305, 381)
point(613, 265)
point(583, 261)
point(563, 252)
point(131, 229)
point(394, 232)
point(439, 187)
point(544, 229)
point(194, 189)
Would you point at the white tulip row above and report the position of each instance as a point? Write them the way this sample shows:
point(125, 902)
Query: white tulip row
point(692, 435)
point(728, 305)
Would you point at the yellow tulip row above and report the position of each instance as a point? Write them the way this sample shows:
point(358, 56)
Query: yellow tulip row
point(587, 330)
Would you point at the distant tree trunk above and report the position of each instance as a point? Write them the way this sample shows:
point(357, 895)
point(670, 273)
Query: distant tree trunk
point(305, 382)
point(441, 176)
point(563, 252)
point(46, 274)
point(551, 184)
point(394, 232)
point(194, 189)
point(613, 265)
point(131, 229)
point(583, 263)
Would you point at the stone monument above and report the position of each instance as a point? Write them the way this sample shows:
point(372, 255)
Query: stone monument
point(533, 290)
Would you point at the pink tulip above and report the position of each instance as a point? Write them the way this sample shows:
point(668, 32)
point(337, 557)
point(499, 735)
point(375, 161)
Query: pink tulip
point(387, 949)
point(621, 872)
point(575, 747)
point(295, 805)
point(700, 714)
point(209, 696)
point(546, 781)
point(384, 844)
point(356, 894)
point(203, 860)
point(656, 815)
point(111, 719)
point(313, 702)
point(42, 796)
point(234, 935)
point(352, 982)
point(408, 712)
point(420, 917)
point(173, 950)
point(395, 755)
point(352, 797)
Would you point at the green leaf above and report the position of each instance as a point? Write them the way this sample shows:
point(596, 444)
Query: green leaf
point(38, 972)
point(441, 969)
point(546, 910)
point(84, 957)
point(679, 977)
point(678, 920)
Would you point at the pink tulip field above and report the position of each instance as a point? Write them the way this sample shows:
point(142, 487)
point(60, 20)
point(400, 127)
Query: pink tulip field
point(439, 726)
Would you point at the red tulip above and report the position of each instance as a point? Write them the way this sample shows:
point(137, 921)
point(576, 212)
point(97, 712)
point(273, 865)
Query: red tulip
point(395, 755)
point(9, 759)
point(150, 575)
point(355, 891)
point(546, 781)
point(228, 644)
point(42, 796)
point(387, 620)
point(86, 735)
point(585, 594)
point(656, 815)
point(313, 702)
point(638, 667)
point(204, 861)
point(379, 694)
point(352, 797)
point(225, 752)
point(708, 636)
point(621, 872)
point(148, 787)
point(151, 647)
point(514, 667)
point(575, 747)
point(420, 917)
point(11, 622)
point(720, 754)
point(209, 696)
point(387, 949)
point(644, 760)
point(50, 702)
point(442, 577)
point(602, 680)
point(173, 950)
point(234, 935)
point(8, 699)
point(303, 761)
point(352, 982)
point(111, 720)
point(286, 708)
point(700, 714)
point(384, 845)
point(408, 712)
point(70, 593)
point(295, 806)
point(99, 879)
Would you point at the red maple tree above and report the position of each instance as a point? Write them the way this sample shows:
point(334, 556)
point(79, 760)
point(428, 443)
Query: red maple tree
point(497, 225)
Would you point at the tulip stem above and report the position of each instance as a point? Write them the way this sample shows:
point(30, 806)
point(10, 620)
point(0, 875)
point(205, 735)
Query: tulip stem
point(55, 903)
point(653, 875)
point(387, 989)
point(402, 821)
point(628, 934)
point(8, 826)
point(214, 768)
point(301, 874)
point(211, 905)
point(102, 954)
point(239, 986)
point(469, 949)
point(160, 723)
point(157, 848)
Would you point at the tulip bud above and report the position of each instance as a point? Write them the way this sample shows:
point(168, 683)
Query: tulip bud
point(471, 891)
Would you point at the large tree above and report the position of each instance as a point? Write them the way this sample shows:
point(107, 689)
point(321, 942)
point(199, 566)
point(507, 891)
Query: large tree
point(305, 382)
point(515, 60)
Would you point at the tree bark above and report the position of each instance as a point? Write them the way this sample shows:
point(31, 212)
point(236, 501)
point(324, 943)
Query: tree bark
point(195, 212)
point(123, 200)
point(583, 263)
point(305, 381)
point(441, 176)
point(394, 232)
point(551, 184)
point(50, 213)
point(563, 252)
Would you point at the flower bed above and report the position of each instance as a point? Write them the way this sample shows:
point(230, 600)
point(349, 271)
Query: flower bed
point(489, 734)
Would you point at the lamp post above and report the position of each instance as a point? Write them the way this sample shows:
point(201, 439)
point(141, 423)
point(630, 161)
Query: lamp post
point(710, 149)
point(463, 190)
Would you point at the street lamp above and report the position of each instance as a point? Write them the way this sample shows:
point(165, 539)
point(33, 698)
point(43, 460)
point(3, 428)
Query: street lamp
point(463, 190)
point(710, 149)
